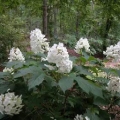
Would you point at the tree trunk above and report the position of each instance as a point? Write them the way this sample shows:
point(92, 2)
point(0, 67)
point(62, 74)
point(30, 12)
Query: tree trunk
point(49, 31)
point(45, 17)
point(77, 25)
point(55, 21)
point(107, 29)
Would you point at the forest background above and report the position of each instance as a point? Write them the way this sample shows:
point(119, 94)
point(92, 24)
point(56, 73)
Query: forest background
point(61, 21)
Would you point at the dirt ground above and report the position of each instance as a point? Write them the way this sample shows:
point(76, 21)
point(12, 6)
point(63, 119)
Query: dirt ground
point(1, 68)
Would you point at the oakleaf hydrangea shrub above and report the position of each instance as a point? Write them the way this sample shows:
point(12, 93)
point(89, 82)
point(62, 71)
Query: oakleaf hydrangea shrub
point(82, 43)
point(58, 55)
point(9, 70)
point(16, 55)
point(10, 104)
point(113, 52)
point(38, 41)
point(47, 83)
point(114, 85)
point(80, 117)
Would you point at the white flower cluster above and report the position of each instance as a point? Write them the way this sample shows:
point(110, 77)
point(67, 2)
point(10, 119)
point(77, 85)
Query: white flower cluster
point(10, 104)
point(114, 85)
point(16, 54)
point(10, 70)
point(53, 118)
point(82, 43)
point(80, 117)
point(38, 42)
point(58, 54)
point(113, 52)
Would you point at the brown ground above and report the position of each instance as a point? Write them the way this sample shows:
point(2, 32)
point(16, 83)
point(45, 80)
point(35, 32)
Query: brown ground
point(72, 53)
point(1, 68)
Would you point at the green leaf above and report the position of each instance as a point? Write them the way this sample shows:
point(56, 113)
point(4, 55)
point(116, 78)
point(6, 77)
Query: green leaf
point(89, 87)
point(91, 58)
point(41, 55)
point(15, 64)
point(51, 81)
point(66, 82)
point(102, 80)
point(4, 86)
point(91, 113)
point(104, 115)
point(99, 101)
point(35, 80)
point(108, 70)
point(83, 70)
point(83, 60)
point(32, 101)
point(25, 71)
point(118, 72)
point(1, 116)
point(3, 74)
point(86, 56)
point(97, 114)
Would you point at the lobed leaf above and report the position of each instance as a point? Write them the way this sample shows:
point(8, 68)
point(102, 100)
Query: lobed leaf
point(89, 87)
point(35, 80)
point(4, 86)
point(25, 71)
point(66, 82)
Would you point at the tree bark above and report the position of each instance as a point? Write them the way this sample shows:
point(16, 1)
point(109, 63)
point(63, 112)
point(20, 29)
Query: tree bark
point(107, 29)
point(77, 25)
point(45, 26)
point(55, 21)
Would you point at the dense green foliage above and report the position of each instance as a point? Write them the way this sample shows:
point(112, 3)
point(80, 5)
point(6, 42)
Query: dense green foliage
point(95, 19)
point(12, 33)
